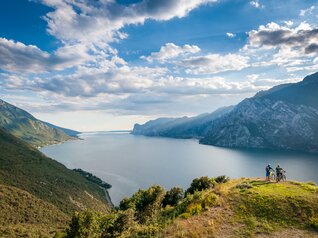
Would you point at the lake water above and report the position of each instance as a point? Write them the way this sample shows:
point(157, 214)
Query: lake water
point(131, 162)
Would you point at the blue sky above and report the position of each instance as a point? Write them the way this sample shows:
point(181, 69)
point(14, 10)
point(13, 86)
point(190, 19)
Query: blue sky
point(106, 64)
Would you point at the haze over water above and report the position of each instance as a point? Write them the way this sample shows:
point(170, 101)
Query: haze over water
point(130, 162)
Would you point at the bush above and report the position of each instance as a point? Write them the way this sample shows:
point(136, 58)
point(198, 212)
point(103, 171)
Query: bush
point(146, 203)
point(311, 183)
point(194, 209)
point(200, 184)
point(126, 203)
point(85, 224)
point(210, 200)
point(244, 185)
point(222, 179)
point(185, 215)
point(173, 196)
point(313, 223)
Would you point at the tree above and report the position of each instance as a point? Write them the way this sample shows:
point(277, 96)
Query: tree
point(173, 196)
point(199, 184)
point(145, 203)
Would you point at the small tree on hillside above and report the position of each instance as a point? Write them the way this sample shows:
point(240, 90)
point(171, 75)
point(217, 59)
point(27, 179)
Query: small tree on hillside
point(199, 184)
point(173, 196)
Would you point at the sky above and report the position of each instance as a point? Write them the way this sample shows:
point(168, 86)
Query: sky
point(94, 65)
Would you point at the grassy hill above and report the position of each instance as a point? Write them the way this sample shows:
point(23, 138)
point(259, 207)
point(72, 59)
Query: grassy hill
point(24, 170)
point(253, 208)
point(215, 207)
point(26, 127)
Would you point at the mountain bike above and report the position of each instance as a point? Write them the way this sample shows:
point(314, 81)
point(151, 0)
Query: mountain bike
point(272, 176)
point(281, 176)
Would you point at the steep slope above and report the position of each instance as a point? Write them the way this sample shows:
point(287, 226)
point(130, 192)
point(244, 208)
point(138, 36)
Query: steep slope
point(24, 215)
point(67, 131)
point(284, 117)
point(26, 127)
point(24, 167)
point(185, 127)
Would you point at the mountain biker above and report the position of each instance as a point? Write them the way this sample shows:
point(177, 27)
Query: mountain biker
point(268, 170)
point(279, 172)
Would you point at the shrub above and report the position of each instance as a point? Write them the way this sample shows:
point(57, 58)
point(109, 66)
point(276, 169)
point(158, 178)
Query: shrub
point(146, 203)
point(185, 215)
point(194, 209)
point(244, 185)
point(200, 184)
point(313, 223)
point(173, 196)
point(126, 203)
point(85, 224)
point(222, 179)
point(311, 183)
point(151, 230)
point(210, 200)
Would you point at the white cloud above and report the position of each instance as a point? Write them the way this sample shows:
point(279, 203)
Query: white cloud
point(215, 63)
point(171, 50)
point(307, 11)
point(291, 47)
point(289, 23)
point(230, 35)
point(99, 22)
point(256, 4)
point(100, 79)
point(302, 38)
point(18, 57)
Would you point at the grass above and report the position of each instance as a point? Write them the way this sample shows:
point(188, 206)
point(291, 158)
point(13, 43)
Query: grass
point(251, 208)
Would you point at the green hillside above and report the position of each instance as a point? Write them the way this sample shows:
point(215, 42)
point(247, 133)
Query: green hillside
point(26, 127)
point(215, 207)
point(24, 215)
point(24, 167)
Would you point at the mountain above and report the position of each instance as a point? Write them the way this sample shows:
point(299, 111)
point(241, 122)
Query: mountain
point(26, 127)
point(67, 131)
point(284, 117)
point(185, 127)
point(28, 175)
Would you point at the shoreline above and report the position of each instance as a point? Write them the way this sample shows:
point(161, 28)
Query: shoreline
point(108, 198)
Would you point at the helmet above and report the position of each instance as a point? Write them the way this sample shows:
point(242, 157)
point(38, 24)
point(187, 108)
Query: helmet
point(269, 165)
point(278, 165)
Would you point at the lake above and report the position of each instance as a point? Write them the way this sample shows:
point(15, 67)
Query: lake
point(130, 162)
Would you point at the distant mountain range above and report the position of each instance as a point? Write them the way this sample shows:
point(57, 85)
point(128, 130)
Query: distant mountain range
point(26, 127)
point(284, 117)
point(183, 128)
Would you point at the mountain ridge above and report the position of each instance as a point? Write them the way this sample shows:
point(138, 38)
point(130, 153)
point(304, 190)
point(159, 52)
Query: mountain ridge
point(182, 128)
point(284, 117)
point(28, 128)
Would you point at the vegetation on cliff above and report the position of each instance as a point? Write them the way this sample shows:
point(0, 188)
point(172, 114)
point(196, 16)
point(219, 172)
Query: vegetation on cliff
point(38, 191)
point(215, 207)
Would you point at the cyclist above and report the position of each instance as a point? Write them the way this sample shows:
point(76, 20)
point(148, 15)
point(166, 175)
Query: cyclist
point(268, 170)
point(279, 173)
